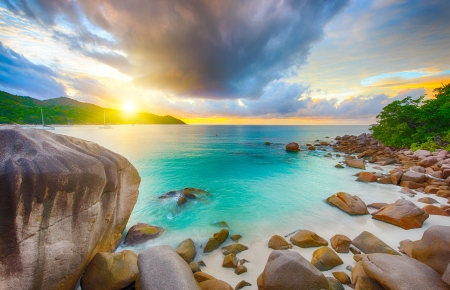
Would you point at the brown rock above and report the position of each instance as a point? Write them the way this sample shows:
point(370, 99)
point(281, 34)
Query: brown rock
point(341, 243)
point(308, 239)
point(431, 189)
point(377, 205)
point(445, 173)
point(443, 193)
point(384, 180)
point(418, 169)
point(277, 242)
point(62, 201)
point(230, 261)
point(182, 200)
point(236, 237)
point(355, 251)
point(215, 285)
point(293, 147)
point(202, 276)
point(402, 213)
point(356, 163)
point(362, 281)
point(334, 284)
point(369, 243)
point(414, 176)
point(234, 248)
point(339, 165)
point(429, 161)
point(110, 271)
point(240, 269)
point(367, 177)
point(140, 233)
point(214, 242)
point(434, 210)
point(396, 176)
point(286, 270)
point(428, 200)
point(352, 205)
point(187, 250)
point(194, 267)
point(342, 277)
point(412, 184)
point(325, 259)
point(399, 272)
point(312, 148)
point(242, 284)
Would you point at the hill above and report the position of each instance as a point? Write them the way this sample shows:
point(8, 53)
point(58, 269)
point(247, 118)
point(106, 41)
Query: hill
point(25, 110)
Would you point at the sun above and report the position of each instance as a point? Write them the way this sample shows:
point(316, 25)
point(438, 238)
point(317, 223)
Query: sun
point(129, 107)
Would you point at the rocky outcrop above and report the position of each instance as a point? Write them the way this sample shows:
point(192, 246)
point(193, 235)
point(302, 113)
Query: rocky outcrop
point(162, 268)
point(399, 272)
point(112, 271)
point(286, 270)
point(369, 243)
point(325, 259)
point(140, 233)
point(293, 147)
point(350, 204)
point(277, 242)
point(63, 200)
point(433, 249)
point(308, 239)
point(402, 213)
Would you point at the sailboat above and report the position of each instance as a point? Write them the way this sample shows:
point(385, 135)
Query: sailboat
point(44, 127)
point(104, 122)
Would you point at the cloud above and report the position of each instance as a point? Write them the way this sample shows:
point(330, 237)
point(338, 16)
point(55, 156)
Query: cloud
point(20, 76)
point(198, 49)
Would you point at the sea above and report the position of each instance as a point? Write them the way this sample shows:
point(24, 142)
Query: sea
point(258, 190)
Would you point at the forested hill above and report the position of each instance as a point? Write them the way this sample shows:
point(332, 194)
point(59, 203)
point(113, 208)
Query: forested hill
point(26, 110)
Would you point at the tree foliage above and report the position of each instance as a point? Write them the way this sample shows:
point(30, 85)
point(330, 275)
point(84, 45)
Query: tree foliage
point(412, 123)
point(25, 110)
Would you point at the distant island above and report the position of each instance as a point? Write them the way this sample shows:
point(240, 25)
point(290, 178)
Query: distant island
point(25, 110)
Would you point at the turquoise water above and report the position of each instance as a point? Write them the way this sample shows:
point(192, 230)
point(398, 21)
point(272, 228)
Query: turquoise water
point(257, 189)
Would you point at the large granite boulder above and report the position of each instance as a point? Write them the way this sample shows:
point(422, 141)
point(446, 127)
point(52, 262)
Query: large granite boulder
point(308, 239)
point(162, 268)
point(62, 200)
point(433, 249)
point(402, 213)
point(362, 281)
point(350, 204)
point(112, 271)
point(403, 273)
point(293, 147)
point(446, 276)
point(286, 270)
point(141, 233)
point(369, 243)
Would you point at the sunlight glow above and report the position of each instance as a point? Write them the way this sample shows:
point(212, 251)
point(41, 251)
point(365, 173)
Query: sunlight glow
point(129, 107)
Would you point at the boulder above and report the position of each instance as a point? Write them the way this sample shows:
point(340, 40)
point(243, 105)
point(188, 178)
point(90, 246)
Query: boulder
point(428, 161)
point(234, 248)
point(434, 210)
point(162, 268)
point(240, 269)
point(396, 176)
point(286, 270)
point(293, 147)
point(399, 272)
point(325, 259)
point(433, 249)
point(215, 285)
point(214, 242)
point(414, 176)
point(428, 200)
point(355, 163)
point(417, 169)
point(443, 193)
point(412, 184)
point(277, 242)
point(384, 180)
point(140, 233)
point(342, 277)
point(422, 153)
point(230, 261)
point(362, 281)
point(341, 243)
point(308, 239)
point(352, 205)
point(369, 243)
point(62, 201)
point(110, 271)
point(334, 284)
point(202, 276)
point(430, 189)
point(367, 177)
point(446, 276)
point(186, 250)
point(312, 148)
point(194, 267)
point(402, 213)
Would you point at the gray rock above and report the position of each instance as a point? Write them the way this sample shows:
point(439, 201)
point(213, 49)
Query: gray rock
point(162, 268)
point(62, 200)
point(401, 273)
point(446, 276)
point(369, 243)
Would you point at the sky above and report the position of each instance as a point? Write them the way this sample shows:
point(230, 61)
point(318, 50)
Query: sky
point(228, 62)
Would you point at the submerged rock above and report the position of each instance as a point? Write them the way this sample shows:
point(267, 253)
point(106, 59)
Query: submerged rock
point(140, 233)
point(402, 213)
point(62, 200)
point(352, 205)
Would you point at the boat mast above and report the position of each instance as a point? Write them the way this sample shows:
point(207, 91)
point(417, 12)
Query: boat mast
point(42, 115)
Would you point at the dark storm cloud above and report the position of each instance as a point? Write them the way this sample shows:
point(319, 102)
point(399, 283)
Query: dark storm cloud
point(19, 76)
point(206, 49)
